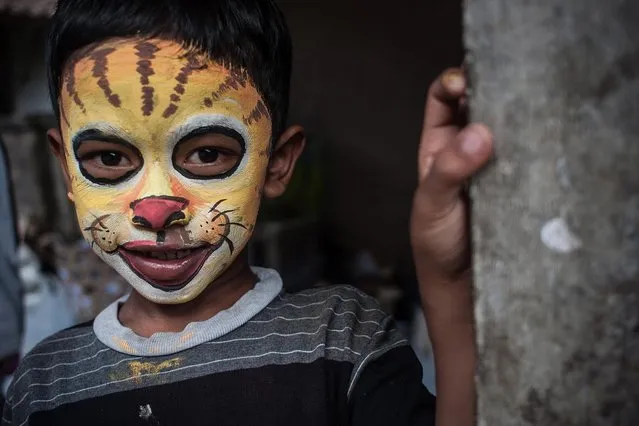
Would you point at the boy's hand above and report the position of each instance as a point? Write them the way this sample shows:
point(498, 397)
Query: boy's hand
point(448, 156)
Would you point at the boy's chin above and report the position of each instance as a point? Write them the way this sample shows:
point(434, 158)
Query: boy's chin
point(161, 297)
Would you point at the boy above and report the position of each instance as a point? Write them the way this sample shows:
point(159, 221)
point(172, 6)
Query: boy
point(171, 119)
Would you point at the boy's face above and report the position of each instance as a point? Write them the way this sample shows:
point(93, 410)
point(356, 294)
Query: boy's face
point(167, 153)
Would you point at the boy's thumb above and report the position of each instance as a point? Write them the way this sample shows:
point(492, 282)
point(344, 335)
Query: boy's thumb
point(453, 165)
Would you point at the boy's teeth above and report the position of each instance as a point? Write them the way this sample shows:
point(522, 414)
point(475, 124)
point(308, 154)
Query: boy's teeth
point(169, 255)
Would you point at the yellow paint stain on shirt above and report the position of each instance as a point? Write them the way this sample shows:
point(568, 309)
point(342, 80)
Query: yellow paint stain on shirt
point(123, 344)
point(186, 337)
point(139, 369)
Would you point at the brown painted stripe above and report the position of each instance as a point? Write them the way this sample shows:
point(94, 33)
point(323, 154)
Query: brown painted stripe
point(170, 110)
point(146, 52)
point(193, 62)
point(234, 81)
point(69, 80)
point(257, 114)
point(100, 70)
point(63, 114)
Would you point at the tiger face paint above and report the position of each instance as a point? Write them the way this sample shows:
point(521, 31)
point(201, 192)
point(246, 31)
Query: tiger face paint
point(167, 153)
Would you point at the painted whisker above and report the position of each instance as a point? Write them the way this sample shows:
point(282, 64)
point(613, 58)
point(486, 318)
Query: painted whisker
point(229, 242)
point(215, 206)
point(233, 223)
point(222, 213)
point(98, 221)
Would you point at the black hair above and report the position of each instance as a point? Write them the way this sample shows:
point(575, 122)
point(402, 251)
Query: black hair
point(242, 34)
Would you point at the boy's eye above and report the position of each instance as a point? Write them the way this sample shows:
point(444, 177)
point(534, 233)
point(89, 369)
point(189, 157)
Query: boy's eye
point(107, 162)
point(204, 156)
point(207, 156)
point(113, 159)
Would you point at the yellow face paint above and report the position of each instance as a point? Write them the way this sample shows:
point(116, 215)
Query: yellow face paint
point(167, 152)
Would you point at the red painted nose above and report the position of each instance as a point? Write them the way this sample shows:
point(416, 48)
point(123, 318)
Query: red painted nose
point(158, 212)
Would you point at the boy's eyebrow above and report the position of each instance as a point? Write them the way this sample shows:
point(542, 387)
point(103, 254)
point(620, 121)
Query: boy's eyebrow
point(203, 130)
point(96, 134)
point(206, 122)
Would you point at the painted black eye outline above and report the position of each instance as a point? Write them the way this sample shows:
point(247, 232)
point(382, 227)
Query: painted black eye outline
point(206, 130)
point(93, 135)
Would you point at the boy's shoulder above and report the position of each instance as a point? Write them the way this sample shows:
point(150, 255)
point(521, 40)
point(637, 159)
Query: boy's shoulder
point(64, 338)
point(341, 317)
point(65, 341)
point(60, 351)
point(344, 298)
point(330, 303)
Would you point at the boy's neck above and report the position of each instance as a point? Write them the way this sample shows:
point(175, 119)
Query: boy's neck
point(145, 318)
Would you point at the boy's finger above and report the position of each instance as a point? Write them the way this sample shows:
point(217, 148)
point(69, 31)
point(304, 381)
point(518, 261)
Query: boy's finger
point(443, 96)
point(454, 165)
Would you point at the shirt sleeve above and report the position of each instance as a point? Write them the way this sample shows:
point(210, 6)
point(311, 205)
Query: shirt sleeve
point(389, 391)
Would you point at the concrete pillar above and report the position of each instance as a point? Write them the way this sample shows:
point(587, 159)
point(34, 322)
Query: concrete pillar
point(556, 217)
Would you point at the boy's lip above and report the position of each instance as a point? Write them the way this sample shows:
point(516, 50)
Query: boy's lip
point(167, 267)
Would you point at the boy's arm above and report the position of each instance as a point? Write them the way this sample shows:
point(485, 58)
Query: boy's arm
point(448, 156)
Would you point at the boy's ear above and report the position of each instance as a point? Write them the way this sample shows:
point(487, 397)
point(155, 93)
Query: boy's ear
point(57, 145)
point(287, 150)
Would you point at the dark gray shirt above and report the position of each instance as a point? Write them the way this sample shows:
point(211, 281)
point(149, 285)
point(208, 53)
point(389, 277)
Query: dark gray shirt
point(318, 357)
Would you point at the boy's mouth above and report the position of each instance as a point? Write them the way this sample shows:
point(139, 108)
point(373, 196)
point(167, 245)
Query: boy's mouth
point(164, 266)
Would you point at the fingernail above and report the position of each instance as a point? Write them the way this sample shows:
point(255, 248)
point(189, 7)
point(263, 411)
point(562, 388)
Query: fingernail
point(472, 143)
point(454, 80)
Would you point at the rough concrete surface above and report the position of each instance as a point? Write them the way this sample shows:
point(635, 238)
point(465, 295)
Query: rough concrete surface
point(556, 217)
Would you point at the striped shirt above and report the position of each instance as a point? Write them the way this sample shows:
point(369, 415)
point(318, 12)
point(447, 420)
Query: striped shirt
point(318, 357)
